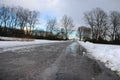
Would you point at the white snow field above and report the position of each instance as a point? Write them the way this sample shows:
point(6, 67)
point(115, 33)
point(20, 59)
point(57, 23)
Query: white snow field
point(5, 44)
point(108, 54)
point(13, 39)
point(15, 42)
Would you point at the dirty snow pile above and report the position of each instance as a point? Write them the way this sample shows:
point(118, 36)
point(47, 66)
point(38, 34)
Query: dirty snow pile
point(109, 54)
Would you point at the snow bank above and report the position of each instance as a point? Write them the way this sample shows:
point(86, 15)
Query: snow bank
point(6, 44)
point(109, 54)
point(14, 39)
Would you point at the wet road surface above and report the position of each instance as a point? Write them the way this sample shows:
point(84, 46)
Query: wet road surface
point(78, 66)
point(52, 61)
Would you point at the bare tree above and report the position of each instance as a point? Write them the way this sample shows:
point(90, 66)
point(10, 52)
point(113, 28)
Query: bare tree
point(51, 25)
point(33, 20)
point(101, 23)
point(67, 24)
point(6, 16)
point(89, 19)
point(12, 18)
point(97, 19)
point(59, 32)
point(1, 16)
point(115, 25)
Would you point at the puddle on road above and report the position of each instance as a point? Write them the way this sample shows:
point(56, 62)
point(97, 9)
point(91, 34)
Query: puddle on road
point(75, 49)
point(83, 67)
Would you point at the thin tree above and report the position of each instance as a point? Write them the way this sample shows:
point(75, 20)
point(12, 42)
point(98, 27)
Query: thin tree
point(51, 25)
point(33, 19)
point(115, 25)
point(97, 19)
point(67, 24)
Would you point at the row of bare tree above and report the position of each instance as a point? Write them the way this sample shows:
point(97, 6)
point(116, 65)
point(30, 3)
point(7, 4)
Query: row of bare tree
point(12, 18)
point(20, 22)
point(103, 26)
point(66, 27)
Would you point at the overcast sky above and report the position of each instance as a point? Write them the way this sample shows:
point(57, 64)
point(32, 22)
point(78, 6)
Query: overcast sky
point(57, 8)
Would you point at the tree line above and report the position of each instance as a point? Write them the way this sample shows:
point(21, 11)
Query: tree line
point(53, 27)
point(15, 20)
point(104, 27)
point(21, 22)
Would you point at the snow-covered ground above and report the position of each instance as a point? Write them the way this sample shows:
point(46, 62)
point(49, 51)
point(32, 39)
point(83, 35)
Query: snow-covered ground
point(13, 42)
point(5, 44)
point(108, 54)
point(14, 39)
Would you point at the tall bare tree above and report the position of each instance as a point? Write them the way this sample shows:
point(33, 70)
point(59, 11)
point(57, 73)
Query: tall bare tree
point(33, 19)
point(14, 18)
point(115, 25)
point(97, 19)
point(67, 24)
point(1, 16)
point(6, 16)
point(89, 19)
point(51, 25)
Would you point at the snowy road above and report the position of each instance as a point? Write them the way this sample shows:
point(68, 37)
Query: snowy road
point(52, 61)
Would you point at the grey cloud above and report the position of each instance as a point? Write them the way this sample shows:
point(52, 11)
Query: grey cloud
point(73, 8)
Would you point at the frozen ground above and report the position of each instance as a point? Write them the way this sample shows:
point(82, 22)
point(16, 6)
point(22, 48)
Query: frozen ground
point(109, 54)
